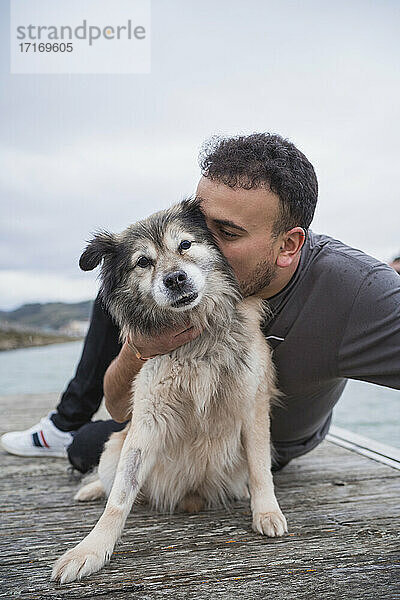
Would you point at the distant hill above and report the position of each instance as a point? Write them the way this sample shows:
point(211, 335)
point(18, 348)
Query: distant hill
point(52, 316)
point(11, 339)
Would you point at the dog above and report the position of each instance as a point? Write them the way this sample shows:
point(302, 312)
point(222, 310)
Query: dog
point(199, 431)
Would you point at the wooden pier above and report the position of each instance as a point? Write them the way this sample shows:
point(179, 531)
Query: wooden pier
point(343, 542)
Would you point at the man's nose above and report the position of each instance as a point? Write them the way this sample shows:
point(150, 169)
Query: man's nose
point(175, 280)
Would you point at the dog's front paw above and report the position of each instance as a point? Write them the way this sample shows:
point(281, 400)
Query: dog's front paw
point(79, 562)
point(271, 523)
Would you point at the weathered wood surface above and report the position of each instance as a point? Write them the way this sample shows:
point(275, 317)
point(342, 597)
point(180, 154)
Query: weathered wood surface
point(342, 510)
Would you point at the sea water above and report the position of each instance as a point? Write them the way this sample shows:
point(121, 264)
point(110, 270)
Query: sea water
point(366, 409)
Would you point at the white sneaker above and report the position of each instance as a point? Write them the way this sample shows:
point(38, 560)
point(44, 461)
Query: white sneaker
point(43, 439)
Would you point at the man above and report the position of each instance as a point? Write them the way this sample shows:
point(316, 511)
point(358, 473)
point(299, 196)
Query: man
point(335, 310)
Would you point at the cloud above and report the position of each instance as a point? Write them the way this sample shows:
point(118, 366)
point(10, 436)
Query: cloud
point(53, 201)
point(110, 172)
point(19, 287)
point(83, 152)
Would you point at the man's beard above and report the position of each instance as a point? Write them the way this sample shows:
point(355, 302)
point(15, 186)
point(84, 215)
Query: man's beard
point(263, 274)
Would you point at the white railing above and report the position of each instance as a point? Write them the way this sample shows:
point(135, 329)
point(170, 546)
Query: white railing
point(388, 455)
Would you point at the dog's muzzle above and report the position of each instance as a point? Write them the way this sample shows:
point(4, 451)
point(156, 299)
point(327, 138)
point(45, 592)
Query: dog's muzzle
point(175, 281)
point(185, 300)
point(180, 288)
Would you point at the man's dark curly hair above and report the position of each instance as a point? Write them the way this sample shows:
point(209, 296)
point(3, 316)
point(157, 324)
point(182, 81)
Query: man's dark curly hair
point(265, 159)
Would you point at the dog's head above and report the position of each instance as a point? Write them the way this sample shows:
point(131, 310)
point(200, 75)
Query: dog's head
point(159, 269)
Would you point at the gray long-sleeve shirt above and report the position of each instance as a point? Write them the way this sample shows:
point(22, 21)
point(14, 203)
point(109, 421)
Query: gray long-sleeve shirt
point(337, 319)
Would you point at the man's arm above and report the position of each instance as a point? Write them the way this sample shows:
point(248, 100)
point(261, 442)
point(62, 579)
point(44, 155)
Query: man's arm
point(118, 383)
point(370, 348)
point(123, 370)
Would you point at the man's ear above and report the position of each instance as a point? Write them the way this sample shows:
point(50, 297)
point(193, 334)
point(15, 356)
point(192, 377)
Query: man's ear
point(291, 244)
point(104, 243)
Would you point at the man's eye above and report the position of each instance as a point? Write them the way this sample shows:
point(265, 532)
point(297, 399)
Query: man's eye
point(143, 262)
point(185, 245)
point(228, 234)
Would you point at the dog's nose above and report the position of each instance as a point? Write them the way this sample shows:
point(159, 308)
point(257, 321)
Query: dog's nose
point(175, 280)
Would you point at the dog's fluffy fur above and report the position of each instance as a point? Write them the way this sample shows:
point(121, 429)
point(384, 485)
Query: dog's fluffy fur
point(199, 433)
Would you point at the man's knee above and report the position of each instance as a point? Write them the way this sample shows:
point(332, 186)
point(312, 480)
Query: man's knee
point(88, 443)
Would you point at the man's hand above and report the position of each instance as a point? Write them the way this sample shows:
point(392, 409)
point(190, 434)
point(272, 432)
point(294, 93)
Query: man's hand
point(123, 370)
point(164, 343)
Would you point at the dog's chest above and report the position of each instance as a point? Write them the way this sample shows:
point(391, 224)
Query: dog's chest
point(195, 399)
point(196, 409)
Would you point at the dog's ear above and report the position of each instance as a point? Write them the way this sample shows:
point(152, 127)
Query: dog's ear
point(103, 244)
point(190, 208)
point(193, 215)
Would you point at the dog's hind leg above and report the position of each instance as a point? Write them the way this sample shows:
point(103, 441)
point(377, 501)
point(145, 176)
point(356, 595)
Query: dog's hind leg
point(106, 471)
point(137, 459)
point(91, 491)
point(109, 459)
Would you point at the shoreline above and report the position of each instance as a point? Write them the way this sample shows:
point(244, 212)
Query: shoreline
point(16, 340)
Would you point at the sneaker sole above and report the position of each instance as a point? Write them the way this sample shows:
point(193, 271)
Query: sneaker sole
point(43, 452)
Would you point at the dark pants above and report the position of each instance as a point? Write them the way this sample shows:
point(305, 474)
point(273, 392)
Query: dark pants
point(84, 393)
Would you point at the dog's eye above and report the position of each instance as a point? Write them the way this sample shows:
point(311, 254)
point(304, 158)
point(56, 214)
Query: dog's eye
point(143, 262)
point(185, 245)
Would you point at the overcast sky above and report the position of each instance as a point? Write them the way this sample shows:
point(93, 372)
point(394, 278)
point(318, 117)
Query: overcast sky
point(82, 152)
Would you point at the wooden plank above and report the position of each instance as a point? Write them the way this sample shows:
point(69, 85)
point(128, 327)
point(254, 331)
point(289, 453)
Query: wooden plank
point(342, 510)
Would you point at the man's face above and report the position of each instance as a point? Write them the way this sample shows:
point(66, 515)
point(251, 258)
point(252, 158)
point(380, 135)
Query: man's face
point(242, 222)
